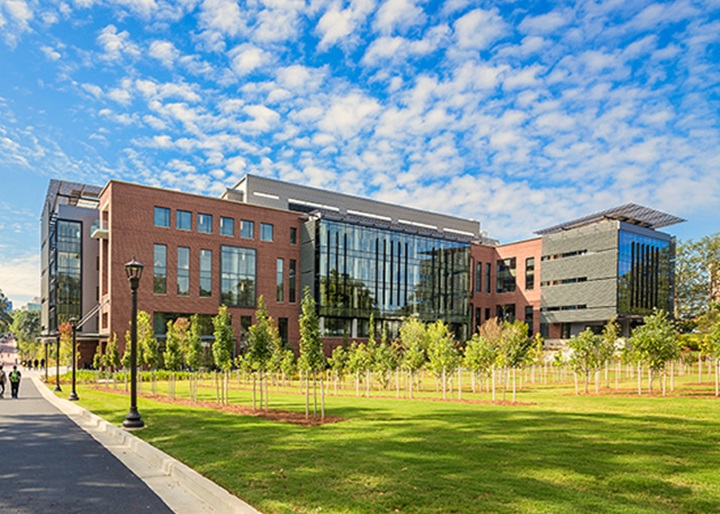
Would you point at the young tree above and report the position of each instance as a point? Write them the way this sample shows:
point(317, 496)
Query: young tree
point(656, 342)
point(337, 362)
point(413, 337)
point(65, 330)
point(607, 349)
point(6, 318)
point(515, 346)
point(193, 347)
point(358, 362)
point(492, 332)
point(99, 357)
point(223, 345)
point(263, 341)
point(697, 274)
point(711, 347)
point(311, 348)
point(111, 359)
point(479, 356)
point(172, 355)
point(147, 344)
point(443, 356)
point(585, 353)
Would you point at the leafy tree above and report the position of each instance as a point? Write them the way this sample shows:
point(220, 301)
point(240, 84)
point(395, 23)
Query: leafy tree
point(6, 318)
point(697, 272)
point(172, 356)
point(26, 328)
point(65, 330)
point(479, 355)
point(148, 346)
point(99, 357)
point(443, 357)
point(263, 341)
point(338, 361)
point(585, 357)
point(413, 338)
point(385, 360)
point(111, 359)
point(224, 343)
point(515, 346)
point(711, 347)
point(359, 361)
point(656, 342)
point(193, 346)
point(312, 359)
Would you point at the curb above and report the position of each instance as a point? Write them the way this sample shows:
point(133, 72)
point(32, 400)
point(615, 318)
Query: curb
point(182, 488)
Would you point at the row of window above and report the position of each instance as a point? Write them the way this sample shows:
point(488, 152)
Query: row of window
point(238, 278)
point(574, 280)
point(505, 313)
point(506, 275)
point(204, 224)
point(555, 256)
point(565, 308)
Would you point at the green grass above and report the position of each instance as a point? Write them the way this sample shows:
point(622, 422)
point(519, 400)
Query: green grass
point(558, 453)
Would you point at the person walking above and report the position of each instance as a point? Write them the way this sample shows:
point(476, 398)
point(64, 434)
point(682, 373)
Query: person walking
point(14, 382)
point(2, 382)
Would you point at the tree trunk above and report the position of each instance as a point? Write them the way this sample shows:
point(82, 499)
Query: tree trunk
point(444, 384)
point(357, 383)
point(367, 383)
point(577, 387)
point(322, 398)
point(459, 383)
point(597, 381)
point(397, 382)
point(650, 380)
point(717, 378)
point(639, 377)
point(412, 380)
point(494, 391)
point(617, 375)
point(314, 393)
point(307, 395)
point(672, 376)
point(514, 379)
point(254, 396)
point(700, 368)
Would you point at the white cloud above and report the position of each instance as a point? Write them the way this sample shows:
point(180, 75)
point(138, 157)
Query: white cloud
point(165, 52)
point(222, 16)
point(263, 118)
point(15, 17)
point(545, 23)
point(50, 53)
point(246, 58)
point(349, 114)
point(398, 14)
point(20, 277)
point(336, 24)
point(478, 29)
point(117, 43)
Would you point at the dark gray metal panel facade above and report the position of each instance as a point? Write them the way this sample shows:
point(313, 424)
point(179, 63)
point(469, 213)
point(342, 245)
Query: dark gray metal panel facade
point(598, 266)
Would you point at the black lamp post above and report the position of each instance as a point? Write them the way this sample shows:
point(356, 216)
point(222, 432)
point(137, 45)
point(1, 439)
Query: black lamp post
point(47, 344)
point(73, 323)
point(133, 270)
point(58, 389)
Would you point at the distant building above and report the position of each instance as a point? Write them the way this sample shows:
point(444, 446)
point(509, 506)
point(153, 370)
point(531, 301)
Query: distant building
point(358, 257)
point(35, 304)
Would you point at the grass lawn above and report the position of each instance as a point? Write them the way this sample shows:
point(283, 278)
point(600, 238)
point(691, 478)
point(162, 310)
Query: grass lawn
point(556, 452)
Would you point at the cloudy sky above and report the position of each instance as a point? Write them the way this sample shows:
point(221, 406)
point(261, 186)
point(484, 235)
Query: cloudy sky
point(518, 114)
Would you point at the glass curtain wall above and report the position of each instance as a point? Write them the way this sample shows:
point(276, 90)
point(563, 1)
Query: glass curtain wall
point(66, 272)
point(646, 270)
point(364, 270)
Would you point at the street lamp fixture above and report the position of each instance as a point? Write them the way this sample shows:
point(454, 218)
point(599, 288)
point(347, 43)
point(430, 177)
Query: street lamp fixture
point(73, 323)
point(133, 270)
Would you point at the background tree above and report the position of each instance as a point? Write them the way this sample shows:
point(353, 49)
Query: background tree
point(413, 338)
point(479, 357)
point(697, 272)
point(223, 345)
point(147, 344)
point(443, 358)
point(608, 345)
point(358, 362)
point(26, 328)
point(99, 357)
point(515, 347)
point(6, 317)
point(263, 341)
point(193, 347)
point(655, 342)
point(311, 359)
point(111, 359)
point(711, 347)
point(337, 362)
point(65, 330)
point(172, 356)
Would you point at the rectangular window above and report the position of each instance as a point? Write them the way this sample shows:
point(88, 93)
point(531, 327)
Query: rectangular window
point(183, 220)
point(529, 320)
point(266, 232)
point(162, 217)
point(247, 229)
point(487, 313)
point(292, 274)
point(160, 270)
point(227, 226)
point(280, 295)
point(478, 317)
point(283, 329)
point(530, 273)
point(204, 223)
point(506, 312)
point(237, 276)
point(506, 275)
point(205, 273)
point(478, 277)
point(488, 267)
point(183, 271)
point(293, 235)
point(245, 324)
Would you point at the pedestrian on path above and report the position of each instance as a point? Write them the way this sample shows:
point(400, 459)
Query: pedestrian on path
point(2, 382)
point(14, 382)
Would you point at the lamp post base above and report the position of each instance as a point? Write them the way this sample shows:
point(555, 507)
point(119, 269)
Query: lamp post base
point(73, 397)
point(133, 420)
point(57, 389)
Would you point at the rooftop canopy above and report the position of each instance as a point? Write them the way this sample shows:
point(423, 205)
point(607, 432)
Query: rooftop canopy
point(629, 213)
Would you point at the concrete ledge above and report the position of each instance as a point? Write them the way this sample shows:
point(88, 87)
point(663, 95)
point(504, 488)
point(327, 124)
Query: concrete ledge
point(182, 488)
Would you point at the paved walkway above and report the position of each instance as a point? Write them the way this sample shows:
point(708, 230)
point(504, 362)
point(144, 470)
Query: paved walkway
point(49, 464)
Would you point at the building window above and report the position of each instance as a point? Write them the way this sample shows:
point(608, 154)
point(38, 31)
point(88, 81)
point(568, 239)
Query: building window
point(478, 317)
point(280, 295)
point(478, 277)
point(227, 226)
point(204, 223)
point(506, 275)
point(487, 313)
point(247, 229)
point(245, 324)
point(506, 312)
point(283, 329)
point(488, 267)
point(293, 235)
point(160, 270)
point(292, 274)
point(530, 273)
point(183, 220)
point(205, 273)
point(183, 271)
point(162, 217)
point(66, 268)
point(266, 232)
point(529, 320)
point(237, 276)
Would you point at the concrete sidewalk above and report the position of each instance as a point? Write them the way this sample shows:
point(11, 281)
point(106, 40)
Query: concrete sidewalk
point(57, 457)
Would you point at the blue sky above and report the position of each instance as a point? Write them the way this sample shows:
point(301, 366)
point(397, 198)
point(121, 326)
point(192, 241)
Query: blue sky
point(518, 114)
